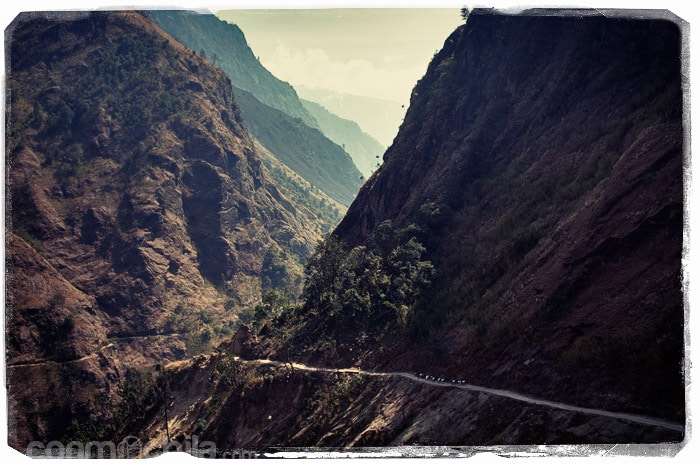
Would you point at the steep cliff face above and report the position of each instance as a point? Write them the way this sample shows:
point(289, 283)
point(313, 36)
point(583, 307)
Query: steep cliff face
point(130, 168)
point(543, 157)
point(139, 208)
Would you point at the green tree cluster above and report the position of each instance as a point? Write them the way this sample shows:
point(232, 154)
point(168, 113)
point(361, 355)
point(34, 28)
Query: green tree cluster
point(139, 396)
point(372, 288)
point(273, 303)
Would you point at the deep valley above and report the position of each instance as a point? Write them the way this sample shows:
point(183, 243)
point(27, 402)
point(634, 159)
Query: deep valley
point(194, 251)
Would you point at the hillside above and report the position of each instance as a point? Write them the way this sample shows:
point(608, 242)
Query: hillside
point(306, 150)
point(271, 110)
point(224, 44)
point(543, 157)
point(141, 218)
point(524, 234)
point(364, 150)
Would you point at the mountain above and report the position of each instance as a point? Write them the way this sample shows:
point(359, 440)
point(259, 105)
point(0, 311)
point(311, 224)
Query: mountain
point(306, 150)
point(271, 109)
point(547, 170)
point(364, 149)
point(141, 217)
point(226, 47)
point(523, 236)
point(510, 275)
point(377, 117)
point(543, 158)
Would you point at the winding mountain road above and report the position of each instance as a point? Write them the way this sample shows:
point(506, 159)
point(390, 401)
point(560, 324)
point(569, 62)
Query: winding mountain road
point(640, 419)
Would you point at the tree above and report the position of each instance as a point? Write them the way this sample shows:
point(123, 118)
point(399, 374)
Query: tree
point(274, 271)
point(321, 275)
point(373, 288)
point(464, 12)
point(273, 303)
point(410, 277)
point(226, 367)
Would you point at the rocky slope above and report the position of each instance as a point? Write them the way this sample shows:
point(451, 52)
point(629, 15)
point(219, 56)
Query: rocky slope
point(264, 408)
point(140, 215)
point(541, 161)
point(543, 156)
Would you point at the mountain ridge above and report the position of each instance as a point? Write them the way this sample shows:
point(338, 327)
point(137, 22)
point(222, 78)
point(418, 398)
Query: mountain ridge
point(139, 212)
point(362, 148)
point(496, 206)
point(196, 29)
point(304, 149)
point(271, 108)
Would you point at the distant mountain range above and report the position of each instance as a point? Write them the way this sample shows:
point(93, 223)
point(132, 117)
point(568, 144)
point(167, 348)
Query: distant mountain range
point(378, 118)
point(304, 149)
point(365, 151)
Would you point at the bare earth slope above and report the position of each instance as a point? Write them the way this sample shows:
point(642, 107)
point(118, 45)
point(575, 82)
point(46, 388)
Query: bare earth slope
point(136, 201)
point(543, 155)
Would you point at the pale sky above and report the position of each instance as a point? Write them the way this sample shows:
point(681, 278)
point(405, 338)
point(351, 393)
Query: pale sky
point(379, 54)
point(372, 52)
